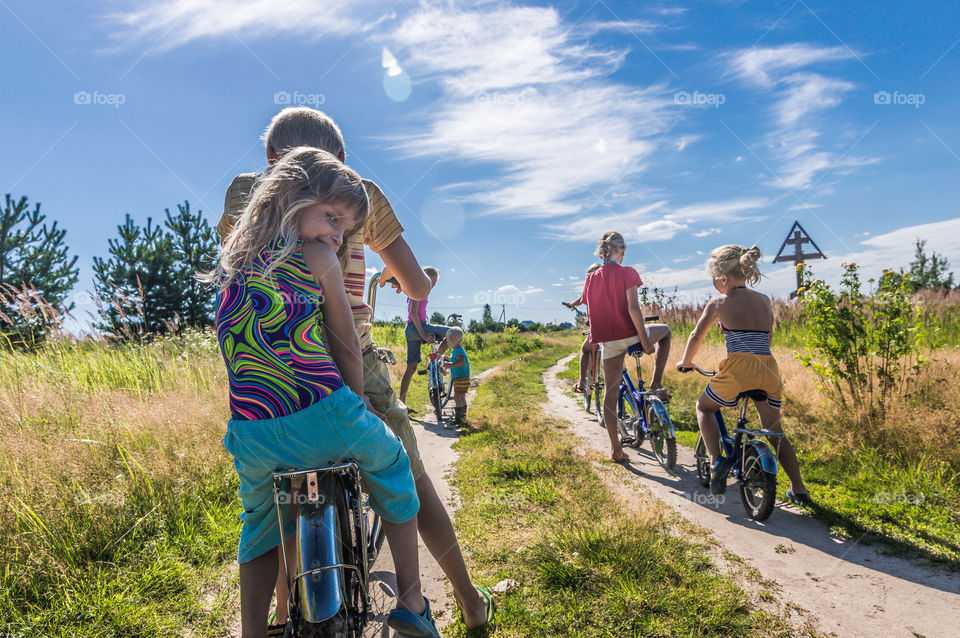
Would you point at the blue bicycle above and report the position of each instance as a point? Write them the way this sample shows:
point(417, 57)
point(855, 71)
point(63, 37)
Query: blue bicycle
point(642, 415)
point(754, 462)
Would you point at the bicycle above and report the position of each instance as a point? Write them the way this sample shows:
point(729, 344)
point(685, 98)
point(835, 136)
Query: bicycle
point(594, 387)
point(754, 462)
point(642, 415)
point(336, 544)
point(439, 391)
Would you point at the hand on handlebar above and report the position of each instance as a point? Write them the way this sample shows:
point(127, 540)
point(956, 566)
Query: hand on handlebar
point(387, 277)
point(685, 366)
point(430, 338)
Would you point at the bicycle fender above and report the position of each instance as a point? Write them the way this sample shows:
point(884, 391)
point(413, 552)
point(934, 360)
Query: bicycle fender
point(322, 593)
point(768, 460)
point(664, 415)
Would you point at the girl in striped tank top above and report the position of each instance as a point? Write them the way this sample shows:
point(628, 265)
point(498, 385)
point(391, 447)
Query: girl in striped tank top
point(745, 317)
point(288, 339)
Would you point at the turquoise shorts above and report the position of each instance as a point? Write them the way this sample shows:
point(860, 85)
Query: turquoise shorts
point(335, 429)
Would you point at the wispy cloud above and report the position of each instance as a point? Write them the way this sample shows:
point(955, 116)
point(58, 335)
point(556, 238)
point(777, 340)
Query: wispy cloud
point(521, 92)
point(800, 96)
point(173, 23)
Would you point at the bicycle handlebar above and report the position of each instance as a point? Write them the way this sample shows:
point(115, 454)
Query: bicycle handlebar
point(706, 373)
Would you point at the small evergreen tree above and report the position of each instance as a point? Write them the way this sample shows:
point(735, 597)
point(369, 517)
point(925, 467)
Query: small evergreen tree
point(148, 284)
point(36, 269)
point(929, 273)
point(437, 318)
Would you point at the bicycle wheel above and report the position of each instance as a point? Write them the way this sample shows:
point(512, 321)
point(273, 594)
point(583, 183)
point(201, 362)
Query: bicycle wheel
point(628, 421)
point(587, 394)
point(758, 488)
point(662, 442)
point(703, 462)
point(435, 402)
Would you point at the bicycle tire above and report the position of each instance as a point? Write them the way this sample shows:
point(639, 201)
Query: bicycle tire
point(663, 445)
point(703, 462)
point(587, 394)
point(435, 402)
point(758, 488)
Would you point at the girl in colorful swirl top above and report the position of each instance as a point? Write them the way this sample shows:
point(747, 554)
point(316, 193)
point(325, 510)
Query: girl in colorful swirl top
point(295, 397)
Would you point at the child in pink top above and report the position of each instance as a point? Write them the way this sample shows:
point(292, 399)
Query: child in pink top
point(616, 323)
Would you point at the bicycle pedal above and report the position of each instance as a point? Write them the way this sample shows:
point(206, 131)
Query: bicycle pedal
point(421, 372)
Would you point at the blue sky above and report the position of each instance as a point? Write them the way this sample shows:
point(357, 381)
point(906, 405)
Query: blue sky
point(508, 135)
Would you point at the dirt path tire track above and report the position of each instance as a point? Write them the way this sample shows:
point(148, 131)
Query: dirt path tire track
point(436, 449)
point(851, 589)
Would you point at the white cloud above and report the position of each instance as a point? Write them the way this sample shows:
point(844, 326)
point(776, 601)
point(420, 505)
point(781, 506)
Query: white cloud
point(170, 24)
point(659, 230)
point(723, 210)
point(763, 66)
point(708, 231)
point(522, 92)
point(800, 97)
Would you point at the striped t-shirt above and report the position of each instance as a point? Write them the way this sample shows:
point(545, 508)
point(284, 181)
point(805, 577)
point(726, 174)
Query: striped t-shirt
point(380, 230)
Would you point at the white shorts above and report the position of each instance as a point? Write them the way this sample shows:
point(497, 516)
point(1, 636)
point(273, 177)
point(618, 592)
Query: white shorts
point(610, 349)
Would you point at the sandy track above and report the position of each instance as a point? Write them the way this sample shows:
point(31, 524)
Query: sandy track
point(436, 450)
point(851, 589)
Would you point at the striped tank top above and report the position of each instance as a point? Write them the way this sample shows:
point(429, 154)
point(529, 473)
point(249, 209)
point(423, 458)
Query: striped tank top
point(269, 329)
point(750, 341)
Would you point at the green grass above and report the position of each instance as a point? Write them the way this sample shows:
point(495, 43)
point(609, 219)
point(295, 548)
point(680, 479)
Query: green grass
point(910, 508)
point(533, 509)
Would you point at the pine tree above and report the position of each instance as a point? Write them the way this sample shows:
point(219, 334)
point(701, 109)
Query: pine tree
point(195, 247)
point(437, 318)
point(929, 272)
point(148, 284)
point(36, 268)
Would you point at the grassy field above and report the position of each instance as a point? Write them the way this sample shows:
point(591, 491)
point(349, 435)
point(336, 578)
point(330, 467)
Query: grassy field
point(120, 512)
point(896, 483)
point(536, 510)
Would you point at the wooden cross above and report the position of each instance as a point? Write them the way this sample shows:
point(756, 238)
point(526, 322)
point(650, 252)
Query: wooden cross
point(797, 237)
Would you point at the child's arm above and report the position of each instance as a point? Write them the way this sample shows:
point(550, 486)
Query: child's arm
point(636, 315)
point(401, 263)
point(699, 333)
point(461, 363)
point(576, 302)
point(342, 341)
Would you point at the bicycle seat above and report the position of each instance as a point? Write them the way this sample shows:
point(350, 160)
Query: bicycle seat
point(635, 350)
point(756, 395)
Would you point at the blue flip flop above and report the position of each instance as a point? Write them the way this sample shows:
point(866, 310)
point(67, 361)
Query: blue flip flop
point(407, 623)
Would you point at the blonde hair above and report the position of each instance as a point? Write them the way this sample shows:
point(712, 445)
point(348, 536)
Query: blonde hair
point(301, 178)
point(302, 126)
point(593, 267)
point(608, 244)
point(454, 335)
point(430, 271)
point(735, 261)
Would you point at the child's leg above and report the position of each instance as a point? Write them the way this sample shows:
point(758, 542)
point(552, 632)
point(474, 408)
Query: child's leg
point(709, 429)
point(586, 350)
point(403, 545)
point(770, 420)
point(460, 399)
point(612, 369)
point(405, 381)
point(283, 591)
point(660, 335)
point(256, 589)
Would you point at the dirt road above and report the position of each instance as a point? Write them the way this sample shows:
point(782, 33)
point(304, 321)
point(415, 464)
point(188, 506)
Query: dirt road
point(851, 589)
point(436, 450)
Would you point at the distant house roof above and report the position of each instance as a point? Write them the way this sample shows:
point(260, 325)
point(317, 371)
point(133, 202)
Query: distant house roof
point(566, 325)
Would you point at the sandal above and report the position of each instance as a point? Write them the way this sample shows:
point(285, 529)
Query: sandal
point(408, 623)
point(799, 499)
point(491, 609)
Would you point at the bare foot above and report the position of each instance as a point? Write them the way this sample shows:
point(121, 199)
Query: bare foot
point(620, 457)
point(580, 386)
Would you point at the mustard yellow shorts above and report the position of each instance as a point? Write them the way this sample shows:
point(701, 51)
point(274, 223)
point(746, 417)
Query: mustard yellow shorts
point(742, 371)
point(376, 385)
